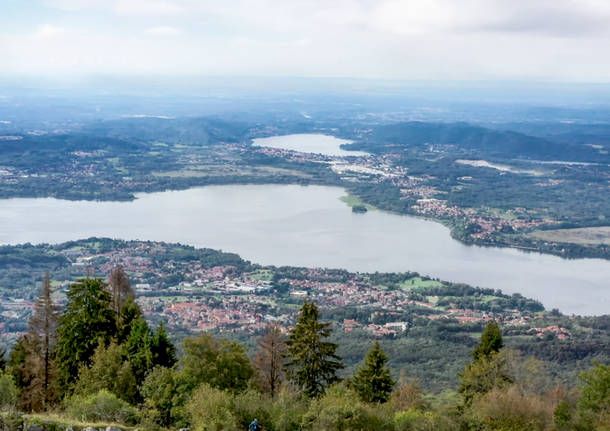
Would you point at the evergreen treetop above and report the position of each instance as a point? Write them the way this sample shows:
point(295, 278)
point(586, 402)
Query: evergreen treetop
point(312, 362)
point(373, 381)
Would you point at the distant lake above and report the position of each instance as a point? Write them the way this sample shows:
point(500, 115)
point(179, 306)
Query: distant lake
point(309, 143)
point(310, 226)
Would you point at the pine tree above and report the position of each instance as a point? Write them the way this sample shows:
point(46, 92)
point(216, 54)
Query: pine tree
point(87, 321)
point(120, 288)
point(163, 350)
point(491, 342)
point(41, 390)
point(269, 360)
point(373, 381)
point(488, 368)
point(130, 313)
point(138, 349)
point(312, 362)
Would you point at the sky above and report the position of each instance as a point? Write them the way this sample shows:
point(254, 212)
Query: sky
point(470, 40)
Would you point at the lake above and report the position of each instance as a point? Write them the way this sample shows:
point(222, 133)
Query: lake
point(310, 226)
point(309, 143)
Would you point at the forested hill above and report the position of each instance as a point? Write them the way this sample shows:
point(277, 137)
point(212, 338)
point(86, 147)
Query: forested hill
point(187, 131)
point(394, 138)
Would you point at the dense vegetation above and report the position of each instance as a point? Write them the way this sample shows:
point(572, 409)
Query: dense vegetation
point(119, 370)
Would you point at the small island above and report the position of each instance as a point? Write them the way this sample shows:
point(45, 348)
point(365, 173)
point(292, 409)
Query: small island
point(360, 209)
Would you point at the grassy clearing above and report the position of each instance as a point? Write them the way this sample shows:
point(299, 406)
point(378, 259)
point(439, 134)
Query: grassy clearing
point(353, 201)
point(584, 236)
point(262, 274)
point(419, 283)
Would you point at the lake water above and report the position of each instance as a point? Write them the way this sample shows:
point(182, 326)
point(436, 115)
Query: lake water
point(310, 226)
point(309, 143)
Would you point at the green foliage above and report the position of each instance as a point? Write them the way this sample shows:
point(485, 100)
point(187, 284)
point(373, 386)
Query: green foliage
point(164, 397)
point(102, 406)
point(130, 313)
point(594, 402)
point(312, 362)
point(138, 349)
point(417, 420)
point(373, 381)
point(341, 409)
point(108, 372)
point(211, 409)
point(491, 342)
point(9, 392)
point(221, 364)
point(87, 320)
point(482, 376)
point(163, 350)
point(510, 409)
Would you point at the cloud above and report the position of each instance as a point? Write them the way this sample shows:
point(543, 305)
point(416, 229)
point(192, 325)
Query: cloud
point(48, 31)
point(403, 39)
point(147, 7)
point(163, 30)
point(121, 7)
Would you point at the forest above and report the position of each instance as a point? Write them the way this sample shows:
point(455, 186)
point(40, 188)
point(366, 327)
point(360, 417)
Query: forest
point(97, 361)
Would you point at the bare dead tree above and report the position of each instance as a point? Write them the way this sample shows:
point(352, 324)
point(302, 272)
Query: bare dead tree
point(41, 338)
point(269, 360)
point(120, 288)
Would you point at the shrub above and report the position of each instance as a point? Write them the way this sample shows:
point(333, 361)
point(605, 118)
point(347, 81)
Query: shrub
point(510, 409)
point(341, 409)
point(417, 420)
point(102, 406)
point(211, 409)
point(8, 392)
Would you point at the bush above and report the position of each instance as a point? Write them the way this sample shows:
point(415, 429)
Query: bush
point(211, 409)
point(340, 409)
point(417, 420)
point(103, 406)
point(8, 392)
point(509, 409)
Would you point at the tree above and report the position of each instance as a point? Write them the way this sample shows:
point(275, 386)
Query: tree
point(407, 395)
point(220, 363)
point(138, 349)
point(3, 360)
point(373, 381)
point(164, 398)
point(163, 350)
point(491, 342)
point(269, 360)
point(87, 321)
point(594, 401)
point(312, 362)
point(109, 371)
point(130, 312)
point(8, 391)
point(40, 371)
point(120, 288)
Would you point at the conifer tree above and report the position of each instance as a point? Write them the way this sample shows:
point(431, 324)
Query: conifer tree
point(138, 349)
point(41, 390)
point(373, 381)
point(488, 368)
point(269, 360)
point(130, 313)
point(163, 350)
point(312, 361)
point(87, 321)
point(491, 342)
